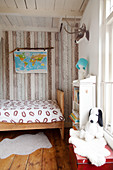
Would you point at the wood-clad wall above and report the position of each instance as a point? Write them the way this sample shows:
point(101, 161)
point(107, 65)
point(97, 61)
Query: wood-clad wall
point(61, 67)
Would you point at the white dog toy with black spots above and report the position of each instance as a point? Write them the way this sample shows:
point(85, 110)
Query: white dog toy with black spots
point(94, 126)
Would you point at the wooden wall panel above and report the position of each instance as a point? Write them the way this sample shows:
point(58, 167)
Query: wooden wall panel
point(33, 74)
point(36, 75)
point(10, 66)
point(1, 70)
point(61, 68)
point(56, 62)
point(49, 68)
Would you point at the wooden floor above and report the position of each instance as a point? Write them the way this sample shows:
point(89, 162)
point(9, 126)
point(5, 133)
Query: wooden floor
point(55, 158)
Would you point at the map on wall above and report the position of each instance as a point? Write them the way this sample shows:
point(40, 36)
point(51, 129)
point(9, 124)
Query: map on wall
point(31, 61)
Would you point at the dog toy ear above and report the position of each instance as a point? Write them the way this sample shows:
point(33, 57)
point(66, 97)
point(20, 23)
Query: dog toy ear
point(90, 112)
point(100, 120)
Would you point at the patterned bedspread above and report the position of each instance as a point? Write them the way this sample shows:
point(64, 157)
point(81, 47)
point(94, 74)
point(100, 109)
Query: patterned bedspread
point(29, 111)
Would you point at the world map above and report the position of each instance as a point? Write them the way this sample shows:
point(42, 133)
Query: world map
point(31, 61)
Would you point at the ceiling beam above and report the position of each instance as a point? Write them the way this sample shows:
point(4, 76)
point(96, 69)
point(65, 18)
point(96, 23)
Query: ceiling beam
point(27, 28)
point(39, 13)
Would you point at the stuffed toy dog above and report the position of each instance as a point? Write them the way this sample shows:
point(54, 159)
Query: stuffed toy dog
point(94, 126)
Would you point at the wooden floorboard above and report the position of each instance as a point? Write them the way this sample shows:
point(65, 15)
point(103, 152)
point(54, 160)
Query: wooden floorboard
point(35, 160)
point(19, 162)
point(54, 158)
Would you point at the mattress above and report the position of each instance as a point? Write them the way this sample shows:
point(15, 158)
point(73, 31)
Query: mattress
point(37, 111)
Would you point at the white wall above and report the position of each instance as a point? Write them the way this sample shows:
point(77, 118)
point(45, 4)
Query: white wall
point(90, 49)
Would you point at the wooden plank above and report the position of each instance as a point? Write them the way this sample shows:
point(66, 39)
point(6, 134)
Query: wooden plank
point(53, 66)
point(56, 61)
point(62, 157)
point(77, 5)
point(49, 155)
point(20, 162)
point(18, 75)
point(28, 48)
point(27, 21)
point(14, 72)
point(27, 28)
point(60, 64)
point(48, 22)
point(36, 75)
point(49, 159)
point(73, 4)
point(22, 75)
point(41, 12)
point(69, 81)
point(35, 160)
point(20, 21)
point(49, 69)
point(6, 20)
point(76, 60)
point(41, 21)
point(20, 4)
point(68, 4)
point(6, 163)
point(83, 5)
point(49, 5)
point(31, 4)
point(10, 3)
point(34, 21)
point(55, 22)
point(65, 71)
point(73, 56)
point(60, 100)
point(10, 66)
point(40, 82)
point(59, 4)
point(46, 76)
point(3, 4)
point(28, 75)
point(32, 75)
point(26, 126)
point(1, 21)
point(13, 20)
point(25, 76)
point(1, 67)
point(41, 4)
point(7, 64)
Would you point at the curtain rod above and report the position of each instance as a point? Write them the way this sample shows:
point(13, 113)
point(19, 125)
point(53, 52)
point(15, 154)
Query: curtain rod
point(46, 48)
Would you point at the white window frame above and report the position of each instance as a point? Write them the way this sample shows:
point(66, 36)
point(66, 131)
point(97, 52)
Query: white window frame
point(106, 66)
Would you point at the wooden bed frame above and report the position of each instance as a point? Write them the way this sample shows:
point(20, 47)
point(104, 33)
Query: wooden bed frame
point(28, 126)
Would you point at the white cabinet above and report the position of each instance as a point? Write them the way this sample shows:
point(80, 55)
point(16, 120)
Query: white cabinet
point(84, 97)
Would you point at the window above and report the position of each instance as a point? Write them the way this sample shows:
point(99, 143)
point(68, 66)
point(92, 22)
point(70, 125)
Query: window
point(109, 7)
point(107, 65)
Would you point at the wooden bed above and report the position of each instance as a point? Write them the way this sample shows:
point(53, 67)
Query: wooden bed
point(28, 126)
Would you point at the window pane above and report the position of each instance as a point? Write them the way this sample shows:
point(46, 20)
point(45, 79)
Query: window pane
point(111, 5)
point(108, 5)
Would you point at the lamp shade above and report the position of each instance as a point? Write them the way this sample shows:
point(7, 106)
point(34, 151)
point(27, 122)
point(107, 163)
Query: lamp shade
point(83, 62)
